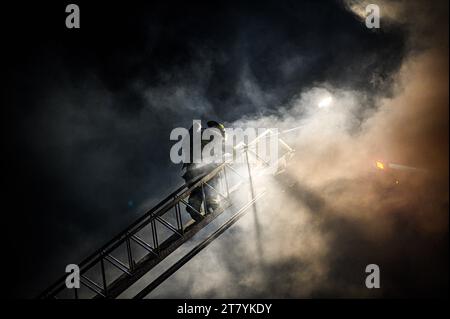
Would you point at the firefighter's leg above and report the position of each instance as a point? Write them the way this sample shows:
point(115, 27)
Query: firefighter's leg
point(212, 197)
point(195, 203)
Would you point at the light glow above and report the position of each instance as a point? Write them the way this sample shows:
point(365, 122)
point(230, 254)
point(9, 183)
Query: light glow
point(325, 102)
point(379, 165)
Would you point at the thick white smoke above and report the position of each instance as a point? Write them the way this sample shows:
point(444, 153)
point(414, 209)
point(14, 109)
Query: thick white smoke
point(334, 213)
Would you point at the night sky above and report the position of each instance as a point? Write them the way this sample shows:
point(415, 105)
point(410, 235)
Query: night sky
point(87, 113)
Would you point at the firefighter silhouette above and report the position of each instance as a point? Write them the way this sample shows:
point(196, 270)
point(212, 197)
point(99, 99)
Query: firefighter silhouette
point(194, 171)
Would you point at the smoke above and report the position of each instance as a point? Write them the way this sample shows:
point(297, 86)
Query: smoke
point(333, 213)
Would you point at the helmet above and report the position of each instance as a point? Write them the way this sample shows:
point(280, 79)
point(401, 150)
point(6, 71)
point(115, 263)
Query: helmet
point(220, 127)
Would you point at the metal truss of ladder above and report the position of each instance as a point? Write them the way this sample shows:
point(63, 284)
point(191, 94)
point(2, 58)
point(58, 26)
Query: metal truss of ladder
point(160, 231)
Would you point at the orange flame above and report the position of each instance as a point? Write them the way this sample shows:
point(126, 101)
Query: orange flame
point(379, 165)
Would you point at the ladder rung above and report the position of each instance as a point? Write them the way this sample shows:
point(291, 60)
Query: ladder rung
point(143, 244)
point(116, 262)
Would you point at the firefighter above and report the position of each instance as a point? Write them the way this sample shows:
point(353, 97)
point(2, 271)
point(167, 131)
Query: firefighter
point(193, 171)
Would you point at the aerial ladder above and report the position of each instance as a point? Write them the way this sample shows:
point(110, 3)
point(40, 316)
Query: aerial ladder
point(160, 231)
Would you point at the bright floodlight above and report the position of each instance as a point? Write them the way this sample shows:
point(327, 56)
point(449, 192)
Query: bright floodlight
point(325, 102)
point(379, 165)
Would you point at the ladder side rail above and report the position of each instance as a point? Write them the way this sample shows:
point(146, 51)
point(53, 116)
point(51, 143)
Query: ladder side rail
point(157, 211)
point(125, 235)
